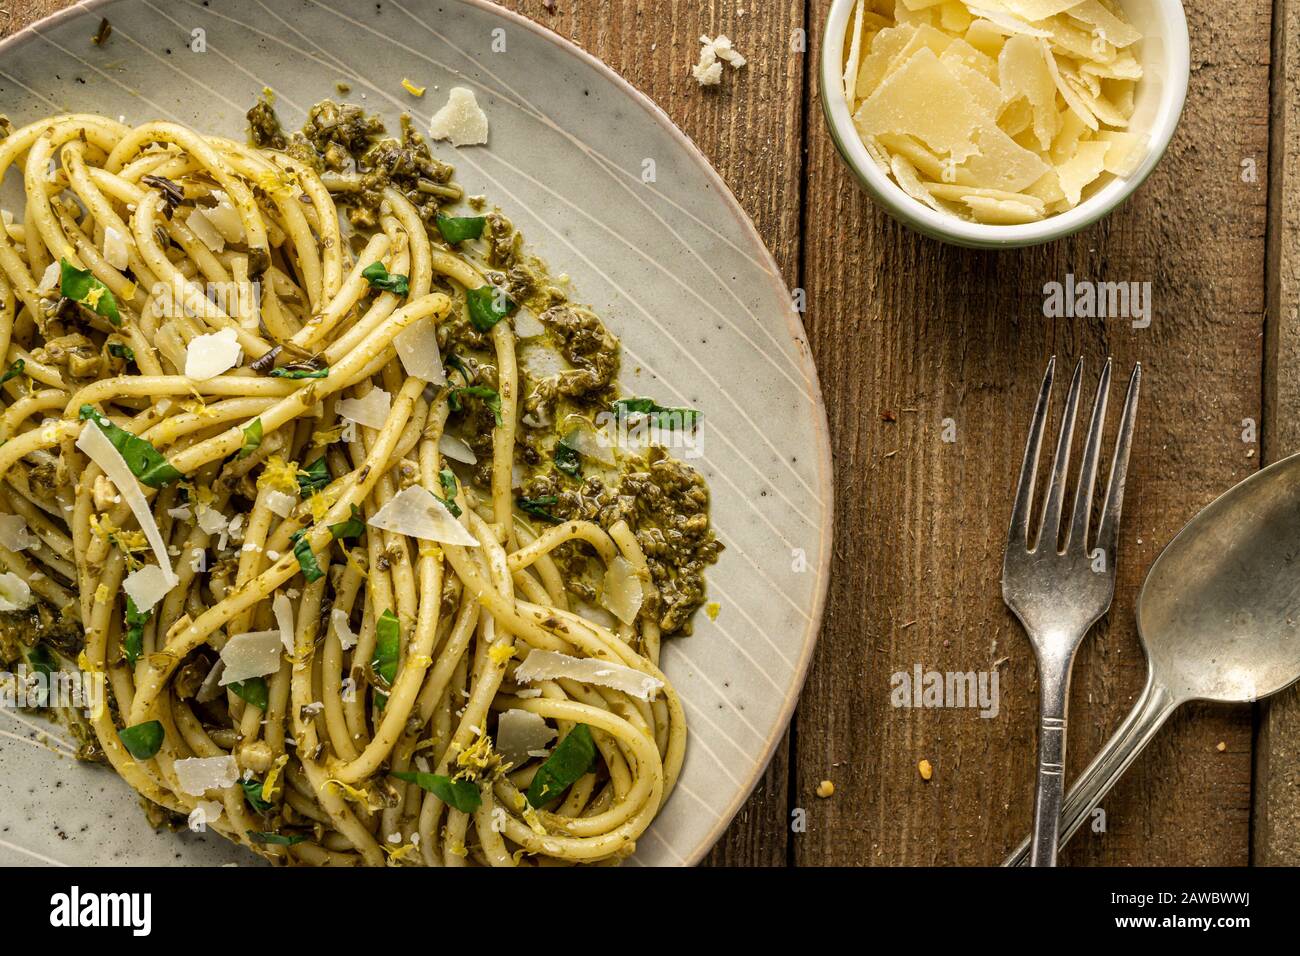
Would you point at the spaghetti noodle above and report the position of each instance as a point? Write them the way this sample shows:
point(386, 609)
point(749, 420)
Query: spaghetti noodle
point(227, 421)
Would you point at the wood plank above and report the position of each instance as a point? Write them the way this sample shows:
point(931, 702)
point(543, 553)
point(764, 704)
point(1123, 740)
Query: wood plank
point(1276, 831)
point(903, 325)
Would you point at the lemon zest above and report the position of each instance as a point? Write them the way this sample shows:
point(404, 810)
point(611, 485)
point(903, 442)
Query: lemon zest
point(279, 475)
point(412, 88)
point(268, 785)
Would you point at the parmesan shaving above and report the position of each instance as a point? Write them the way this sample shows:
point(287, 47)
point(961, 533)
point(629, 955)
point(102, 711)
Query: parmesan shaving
point(207, 356)
point(14, 535)
point(347, 637)
point(461, 121)
point(282, 608)
point(15, 595)
point(204, 230)
point(197, 775)
point(370, 410)
point(254, 654)
point(520, 733)
point(147, 586)
point(456, 449)
point(416, 513)
point(417, 347)
point(542, 665)
point(622, 592)
point(115, 253)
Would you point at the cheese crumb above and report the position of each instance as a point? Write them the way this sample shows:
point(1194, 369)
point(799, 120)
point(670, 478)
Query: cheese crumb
point(713, 53)
point(925, 769)
point(825, 789)
point(461, 121)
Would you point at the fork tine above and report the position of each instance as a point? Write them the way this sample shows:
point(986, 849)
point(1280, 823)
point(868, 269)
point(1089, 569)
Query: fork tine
point(1088, 473)
point(1019, 533)
point(1051, 527)
point(1119, 469)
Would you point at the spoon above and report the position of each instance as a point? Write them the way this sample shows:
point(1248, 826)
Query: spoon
point(1218, 618)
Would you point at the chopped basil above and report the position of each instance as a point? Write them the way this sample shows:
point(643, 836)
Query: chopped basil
point(537, 507)
point(253, 690)
point(172, 194)
point(354, 527)
point(133, 643)
point(41, 661)
point(121, 350)
point(567, 459)
point(143, 740)
point(570, 760)
point(314, 477)
point(141, 457)
point(252, 788)
point(275, 839)
point(82, 287)
point(13, 371)
point(380, 278)
point(299, 371)
point(489, 396)
point(459, 228)
point(462, 794)
point(458, 365)
point(252, 437)
point(659, 414)
point(388, 640)
point(306, 558)
point(447, 478)
point(488, 305)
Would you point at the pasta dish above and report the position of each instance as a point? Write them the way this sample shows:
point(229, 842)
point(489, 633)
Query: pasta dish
point(331, 493)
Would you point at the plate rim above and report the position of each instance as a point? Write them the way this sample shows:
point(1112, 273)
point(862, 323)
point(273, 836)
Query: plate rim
point(794, 326)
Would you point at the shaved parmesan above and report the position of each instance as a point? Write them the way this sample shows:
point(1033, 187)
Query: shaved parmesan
point(1106, 24)
point(49, 279)
point(254, 654)
point(279, 503)
point(95, 444)
point(1077, 173)
point(204, 230)
point(207, 356)
point(456, 449)
point(527, 325)
point(225, 218)
point(370, 410)
point(461, 121)
point(347, 637)
point(15, 595)
point(283, 611)
point(519, 733)
point(713, 53)
point(115, 253)
point(147, 586)
point(417, 347)
point(211, 520)
point(855, 51)
point(197, 775)
point(14, 535)
point(416, 513)
point(204, 813)
point(623, 592)
point(542, 665)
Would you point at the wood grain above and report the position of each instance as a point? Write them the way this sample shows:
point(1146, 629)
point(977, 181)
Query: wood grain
point(911, 336)
point(1276, 834)
point(909, 333)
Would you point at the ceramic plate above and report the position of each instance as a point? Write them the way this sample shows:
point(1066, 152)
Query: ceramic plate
point(672, 265)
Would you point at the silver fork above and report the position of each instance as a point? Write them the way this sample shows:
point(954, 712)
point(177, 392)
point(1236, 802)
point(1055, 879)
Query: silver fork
point(1058, 591)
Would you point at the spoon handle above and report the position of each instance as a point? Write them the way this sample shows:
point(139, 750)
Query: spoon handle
point(1148, 715)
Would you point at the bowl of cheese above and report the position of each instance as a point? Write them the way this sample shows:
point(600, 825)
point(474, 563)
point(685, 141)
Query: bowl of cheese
point(1001, 123)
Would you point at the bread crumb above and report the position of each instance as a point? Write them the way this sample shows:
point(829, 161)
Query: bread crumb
point(925, 769)
point(825, 789)
point(1222, 746)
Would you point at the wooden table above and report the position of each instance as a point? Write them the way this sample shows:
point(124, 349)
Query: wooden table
point(914, 339)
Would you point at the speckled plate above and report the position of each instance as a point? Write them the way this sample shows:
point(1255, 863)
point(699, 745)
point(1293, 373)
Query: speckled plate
point(674, 267)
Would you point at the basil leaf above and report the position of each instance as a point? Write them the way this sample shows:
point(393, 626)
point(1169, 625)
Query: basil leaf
point(133, 643)
point(567, 459)
point(299, 371)
point(488, 305)
point(306, 558)
point(567, 762)
point(458, 365)
point(252, 437)
point(659, 414)
point(354, 527)
point(81, 286)
point(537, 507)
point(459, 228)
point(143, 740)
point(388, 638)
point(253, 690)
point(380, 278)
point(447, 478)
point(313, 478)
point(252, 788)
point(13, 371)
point(489, 396)
point(141, 457)
point(122, 351)
point(274, 839)
point(462, 794)
point(40, 660)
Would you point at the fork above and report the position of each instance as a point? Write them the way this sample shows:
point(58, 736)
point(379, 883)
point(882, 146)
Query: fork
point(1059, 590)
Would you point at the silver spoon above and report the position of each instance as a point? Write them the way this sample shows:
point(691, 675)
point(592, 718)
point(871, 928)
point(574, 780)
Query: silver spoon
point(1219, 620)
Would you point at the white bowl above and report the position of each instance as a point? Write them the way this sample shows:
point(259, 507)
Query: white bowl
point(1164, 53)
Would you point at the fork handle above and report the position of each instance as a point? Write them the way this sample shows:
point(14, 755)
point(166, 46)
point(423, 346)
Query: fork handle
point(1153, 707)
point(1054, 699)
